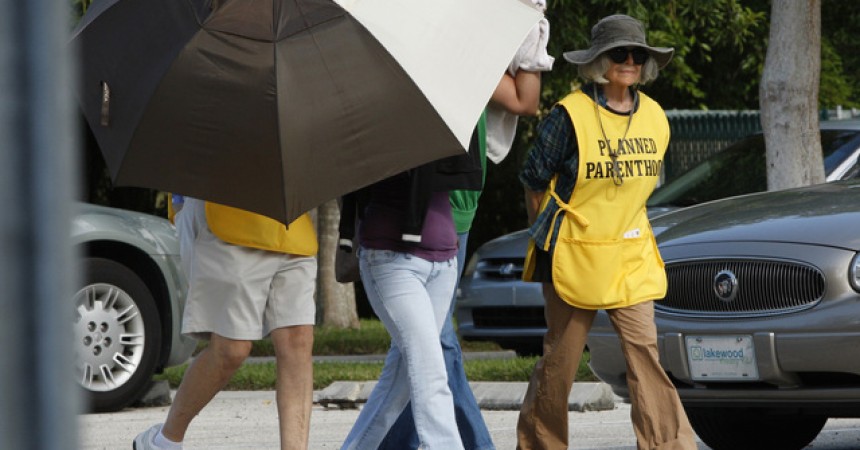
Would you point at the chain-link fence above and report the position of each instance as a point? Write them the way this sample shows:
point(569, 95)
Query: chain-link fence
point(699, 134)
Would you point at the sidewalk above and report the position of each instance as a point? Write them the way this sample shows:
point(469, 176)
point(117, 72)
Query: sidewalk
point(248, 419)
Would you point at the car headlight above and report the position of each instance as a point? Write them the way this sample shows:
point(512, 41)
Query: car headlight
point(854, 273)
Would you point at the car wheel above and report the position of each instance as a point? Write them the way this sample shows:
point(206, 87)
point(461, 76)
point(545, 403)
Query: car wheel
point(117, 335)
point(749, 429)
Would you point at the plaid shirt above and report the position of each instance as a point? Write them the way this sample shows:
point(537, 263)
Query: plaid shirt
point(554, 151)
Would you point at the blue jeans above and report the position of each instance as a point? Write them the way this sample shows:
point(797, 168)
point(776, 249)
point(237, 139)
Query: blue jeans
point(411, 296)
point(473, 430)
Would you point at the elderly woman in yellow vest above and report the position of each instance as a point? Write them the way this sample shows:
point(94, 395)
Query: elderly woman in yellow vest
point(249, 277)
point(595, 161)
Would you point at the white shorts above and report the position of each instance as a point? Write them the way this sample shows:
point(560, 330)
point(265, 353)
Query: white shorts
point(239, 292)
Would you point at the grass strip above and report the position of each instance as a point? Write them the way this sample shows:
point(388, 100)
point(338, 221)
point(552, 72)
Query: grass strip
point(370, 338)
point(261, 376)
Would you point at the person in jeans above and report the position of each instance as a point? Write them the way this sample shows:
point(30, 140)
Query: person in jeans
point(519, 95)
point(594, 163)
point(407, 250)
point(249, 277)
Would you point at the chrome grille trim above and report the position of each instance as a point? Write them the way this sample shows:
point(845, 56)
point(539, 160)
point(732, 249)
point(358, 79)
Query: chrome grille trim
point(501, 268)
point(765, 288)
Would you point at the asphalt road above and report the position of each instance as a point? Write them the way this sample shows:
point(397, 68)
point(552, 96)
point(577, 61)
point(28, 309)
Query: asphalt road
point(247, 420)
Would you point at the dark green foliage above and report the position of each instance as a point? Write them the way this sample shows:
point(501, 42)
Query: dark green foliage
point(840, 54)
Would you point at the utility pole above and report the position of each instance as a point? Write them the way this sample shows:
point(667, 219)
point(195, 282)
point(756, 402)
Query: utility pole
point(39, 399)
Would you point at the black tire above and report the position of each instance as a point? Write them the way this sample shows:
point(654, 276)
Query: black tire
point(751, 429)
point(117, 335)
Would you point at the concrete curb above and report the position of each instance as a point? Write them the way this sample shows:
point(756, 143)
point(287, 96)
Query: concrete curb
point(506, 396)
point(467, 356)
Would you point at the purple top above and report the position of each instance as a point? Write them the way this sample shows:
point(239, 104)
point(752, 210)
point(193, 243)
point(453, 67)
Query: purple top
point(382, 225)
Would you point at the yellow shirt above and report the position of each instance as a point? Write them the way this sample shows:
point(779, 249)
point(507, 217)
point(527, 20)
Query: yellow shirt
point(239, 227)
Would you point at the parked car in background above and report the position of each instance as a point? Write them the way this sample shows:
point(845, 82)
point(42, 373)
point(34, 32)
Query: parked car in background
point(494, 304)
point(128, 307)
point(760, 328)
point(741, 169)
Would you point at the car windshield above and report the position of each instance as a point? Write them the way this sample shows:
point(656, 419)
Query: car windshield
point(740, 169)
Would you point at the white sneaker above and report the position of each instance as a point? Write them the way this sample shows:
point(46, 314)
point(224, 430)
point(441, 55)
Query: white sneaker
point(144, 441)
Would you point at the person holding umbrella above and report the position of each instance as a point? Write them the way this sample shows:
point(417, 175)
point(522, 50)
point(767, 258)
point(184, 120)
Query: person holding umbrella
point(595, 161)
point(517, 94)
point(249, 277)
point(408, 246)
point(407, 259)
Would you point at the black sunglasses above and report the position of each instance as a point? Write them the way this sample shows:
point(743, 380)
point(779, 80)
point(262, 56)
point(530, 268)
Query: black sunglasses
point(619, 54)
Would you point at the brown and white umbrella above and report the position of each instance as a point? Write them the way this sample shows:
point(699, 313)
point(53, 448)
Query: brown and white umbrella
point(276, 106)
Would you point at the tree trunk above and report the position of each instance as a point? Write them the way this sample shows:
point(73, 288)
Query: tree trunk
point(789, 95)
point(336, 301)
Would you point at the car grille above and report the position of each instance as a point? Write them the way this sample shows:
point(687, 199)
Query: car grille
point(763, 288)
point(501, 268)
point(506, 317)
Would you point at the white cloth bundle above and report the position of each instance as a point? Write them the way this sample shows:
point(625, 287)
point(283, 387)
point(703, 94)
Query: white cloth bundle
point(533, 57)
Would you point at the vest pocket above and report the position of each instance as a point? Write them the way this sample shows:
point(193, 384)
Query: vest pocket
point(606, 274)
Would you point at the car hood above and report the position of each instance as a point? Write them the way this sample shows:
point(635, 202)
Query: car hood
point(825, 214)
point(513, 245)
point(657, 211)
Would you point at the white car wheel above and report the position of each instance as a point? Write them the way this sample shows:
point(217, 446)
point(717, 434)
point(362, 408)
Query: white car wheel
point(117, 335)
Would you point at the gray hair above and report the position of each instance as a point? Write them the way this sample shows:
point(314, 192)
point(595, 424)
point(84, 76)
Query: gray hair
point(594, 70)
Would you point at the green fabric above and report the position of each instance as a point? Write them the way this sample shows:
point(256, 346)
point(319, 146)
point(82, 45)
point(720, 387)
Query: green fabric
point(464, 204)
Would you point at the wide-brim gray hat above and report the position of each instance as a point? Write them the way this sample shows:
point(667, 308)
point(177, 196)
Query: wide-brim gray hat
point(618, 31)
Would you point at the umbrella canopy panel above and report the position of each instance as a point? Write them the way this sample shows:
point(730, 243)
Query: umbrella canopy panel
point(456, 51)
point(122, 65)
point(293, 109)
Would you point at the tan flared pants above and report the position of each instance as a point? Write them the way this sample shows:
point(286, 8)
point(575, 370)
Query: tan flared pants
point(658, 418)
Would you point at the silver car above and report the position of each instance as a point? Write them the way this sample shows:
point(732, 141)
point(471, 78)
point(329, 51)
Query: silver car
point(760, 329)
point(740, 169)
point(494, 304)
point(128, 308)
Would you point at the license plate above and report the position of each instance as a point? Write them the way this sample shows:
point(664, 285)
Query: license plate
point(722, 358)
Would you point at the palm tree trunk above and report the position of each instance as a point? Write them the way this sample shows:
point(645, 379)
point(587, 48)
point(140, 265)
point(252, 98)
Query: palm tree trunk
point(335, 301)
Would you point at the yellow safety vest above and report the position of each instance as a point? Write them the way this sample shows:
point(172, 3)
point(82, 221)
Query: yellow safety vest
point(606, 256)
point(240, 227)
